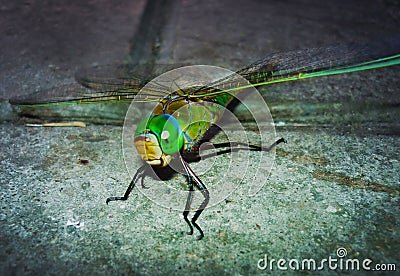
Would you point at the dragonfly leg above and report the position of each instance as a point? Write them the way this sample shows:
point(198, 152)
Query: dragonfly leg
point(203, 205)
point(188, 204)
point(232, 147)
point(277, 142)
point(139, 174)
point(259, 148)
point(142, 183)
point(192, 178)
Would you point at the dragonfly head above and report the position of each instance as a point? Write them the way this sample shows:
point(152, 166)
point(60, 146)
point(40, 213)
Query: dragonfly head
point(157, 138)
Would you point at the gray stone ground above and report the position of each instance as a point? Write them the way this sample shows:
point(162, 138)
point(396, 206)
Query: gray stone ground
point(335, 184)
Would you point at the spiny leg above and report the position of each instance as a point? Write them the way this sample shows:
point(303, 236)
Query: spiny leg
point(203, 189)
point(139, 174)
point(188, 204)
point(190, 195)
point(203, 205)
point(277, 142)
point(237, 146)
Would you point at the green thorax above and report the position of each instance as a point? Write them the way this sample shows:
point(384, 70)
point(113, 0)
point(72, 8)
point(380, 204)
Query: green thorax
point(194, 117)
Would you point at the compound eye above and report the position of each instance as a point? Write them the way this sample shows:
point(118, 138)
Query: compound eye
point(168, 132)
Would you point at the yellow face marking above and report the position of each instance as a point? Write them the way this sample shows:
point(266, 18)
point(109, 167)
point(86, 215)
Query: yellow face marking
point(150, 151)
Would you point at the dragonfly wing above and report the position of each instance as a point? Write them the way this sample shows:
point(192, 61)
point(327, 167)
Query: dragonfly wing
point(64, 93)
point(77, 94)
point(324, 61)
point(122, 83)
point(308, 63)
point(107, 84)
point(111, 75)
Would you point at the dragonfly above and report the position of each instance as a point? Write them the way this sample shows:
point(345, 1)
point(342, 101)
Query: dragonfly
point(169, 133)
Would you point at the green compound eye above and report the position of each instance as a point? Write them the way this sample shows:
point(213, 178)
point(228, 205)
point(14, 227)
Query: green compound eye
point(167, 130)
point(142, 126)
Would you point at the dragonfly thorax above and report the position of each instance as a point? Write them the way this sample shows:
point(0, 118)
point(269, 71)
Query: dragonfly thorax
point(157, 138)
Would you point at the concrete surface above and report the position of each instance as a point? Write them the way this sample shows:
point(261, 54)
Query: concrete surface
point(44, 42)
point(334, 185)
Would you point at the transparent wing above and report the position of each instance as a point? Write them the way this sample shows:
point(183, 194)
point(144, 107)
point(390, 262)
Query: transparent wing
point(108, 84)
point(122, 83)
point(309, 63)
